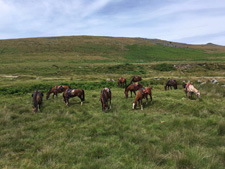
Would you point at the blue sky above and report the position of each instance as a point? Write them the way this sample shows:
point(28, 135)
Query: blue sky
point(187, 21)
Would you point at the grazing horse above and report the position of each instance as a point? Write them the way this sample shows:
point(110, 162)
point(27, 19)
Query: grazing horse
point(189, 89)
point(72, 93)
point(142, 94)
point(37, 100)
point(184, 84)
point(135, 79)
point(55, 90)
point(105, 97)
point(132, 88)
point(171, 83)
point(121, 82)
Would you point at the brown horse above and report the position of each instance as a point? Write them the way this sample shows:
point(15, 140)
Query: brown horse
point(37, 100)
point(121, 82)
point(135, 79)
point(132, 88)
point(72, 93)
point(171, 83)
point(105, 97)
point(55, 90)
point(142, 94)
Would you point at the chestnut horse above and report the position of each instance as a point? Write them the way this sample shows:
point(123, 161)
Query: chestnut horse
point(171, 83)
point(189, 89)
point(37, 100)
point(55, 90)
point(132, 88)
point(135, 79)
point(142, 94)
point(72, 93)
point(105, 97)
point(121, 82)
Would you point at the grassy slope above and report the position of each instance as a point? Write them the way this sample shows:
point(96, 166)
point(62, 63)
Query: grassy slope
point(191, 134)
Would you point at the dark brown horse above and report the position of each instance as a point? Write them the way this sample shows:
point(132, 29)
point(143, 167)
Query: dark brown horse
point(72, 93)
point(171, 83)
point(135, 79)
point(121, 82)
point(184, 84)
point(55, 90)
point(105, 97)
point(37, 100)
point(142, 94)
point(132, 88)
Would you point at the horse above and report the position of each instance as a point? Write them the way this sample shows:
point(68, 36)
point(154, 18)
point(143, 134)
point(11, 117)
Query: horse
point(142, 94)
point(68, 93)
point(121, 82)
point(132, 88)
point(104, 98)
point(190, 89)
point(55, 90)
point(184, 84)
point(171, 83)
point(135, 79)
point(37, 100)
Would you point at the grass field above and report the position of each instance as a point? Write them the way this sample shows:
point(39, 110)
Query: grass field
point(172, 132)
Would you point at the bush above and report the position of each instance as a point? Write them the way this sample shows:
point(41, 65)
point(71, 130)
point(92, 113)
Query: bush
point(164, 67)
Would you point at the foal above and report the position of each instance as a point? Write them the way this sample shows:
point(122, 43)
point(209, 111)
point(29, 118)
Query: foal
point(105, 97)
point(37, 100)
point(72, 93)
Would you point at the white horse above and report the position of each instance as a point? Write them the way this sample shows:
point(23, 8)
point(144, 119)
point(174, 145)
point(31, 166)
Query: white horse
point(190, 90)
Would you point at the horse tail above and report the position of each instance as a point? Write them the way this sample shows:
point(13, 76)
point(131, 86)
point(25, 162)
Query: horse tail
point(83, 95)
point(104, 98)
point(35, 98)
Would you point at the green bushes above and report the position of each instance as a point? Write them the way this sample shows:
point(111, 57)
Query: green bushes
point(164, 67)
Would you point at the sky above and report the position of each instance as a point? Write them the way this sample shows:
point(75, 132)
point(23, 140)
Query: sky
point(186, 21)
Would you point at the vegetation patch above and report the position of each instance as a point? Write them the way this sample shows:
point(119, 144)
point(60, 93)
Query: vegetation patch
point(164, 67)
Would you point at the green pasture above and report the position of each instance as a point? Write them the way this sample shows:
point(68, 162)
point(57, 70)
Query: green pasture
point(172, 132)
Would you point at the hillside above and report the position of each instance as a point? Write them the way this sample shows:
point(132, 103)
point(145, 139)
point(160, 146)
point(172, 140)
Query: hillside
point(105, 49)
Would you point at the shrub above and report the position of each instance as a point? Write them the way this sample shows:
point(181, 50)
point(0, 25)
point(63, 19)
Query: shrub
point(164, 67)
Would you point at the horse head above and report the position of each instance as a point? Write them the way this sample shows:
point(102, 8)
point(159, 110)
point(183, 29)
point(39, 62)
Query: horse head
point(198, 94)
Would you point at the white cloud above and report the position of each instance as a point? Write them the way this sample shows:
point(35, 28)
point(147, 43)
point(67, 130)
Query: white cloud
point(170, 20)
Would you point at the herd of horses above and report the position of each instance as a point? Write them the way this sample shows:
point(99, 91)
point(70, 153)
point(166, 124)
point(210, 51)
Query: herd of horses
point(105, 96)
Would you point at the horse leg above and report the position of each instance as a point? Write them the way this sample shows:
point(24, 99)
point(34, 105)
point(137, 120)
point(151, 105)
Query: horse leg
point(150, 97)
point(81, 103)
point(141, 104)
point(67, 101)
point(39, 106)
point(110, 103)
point(135, 93)
point(146, 99)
